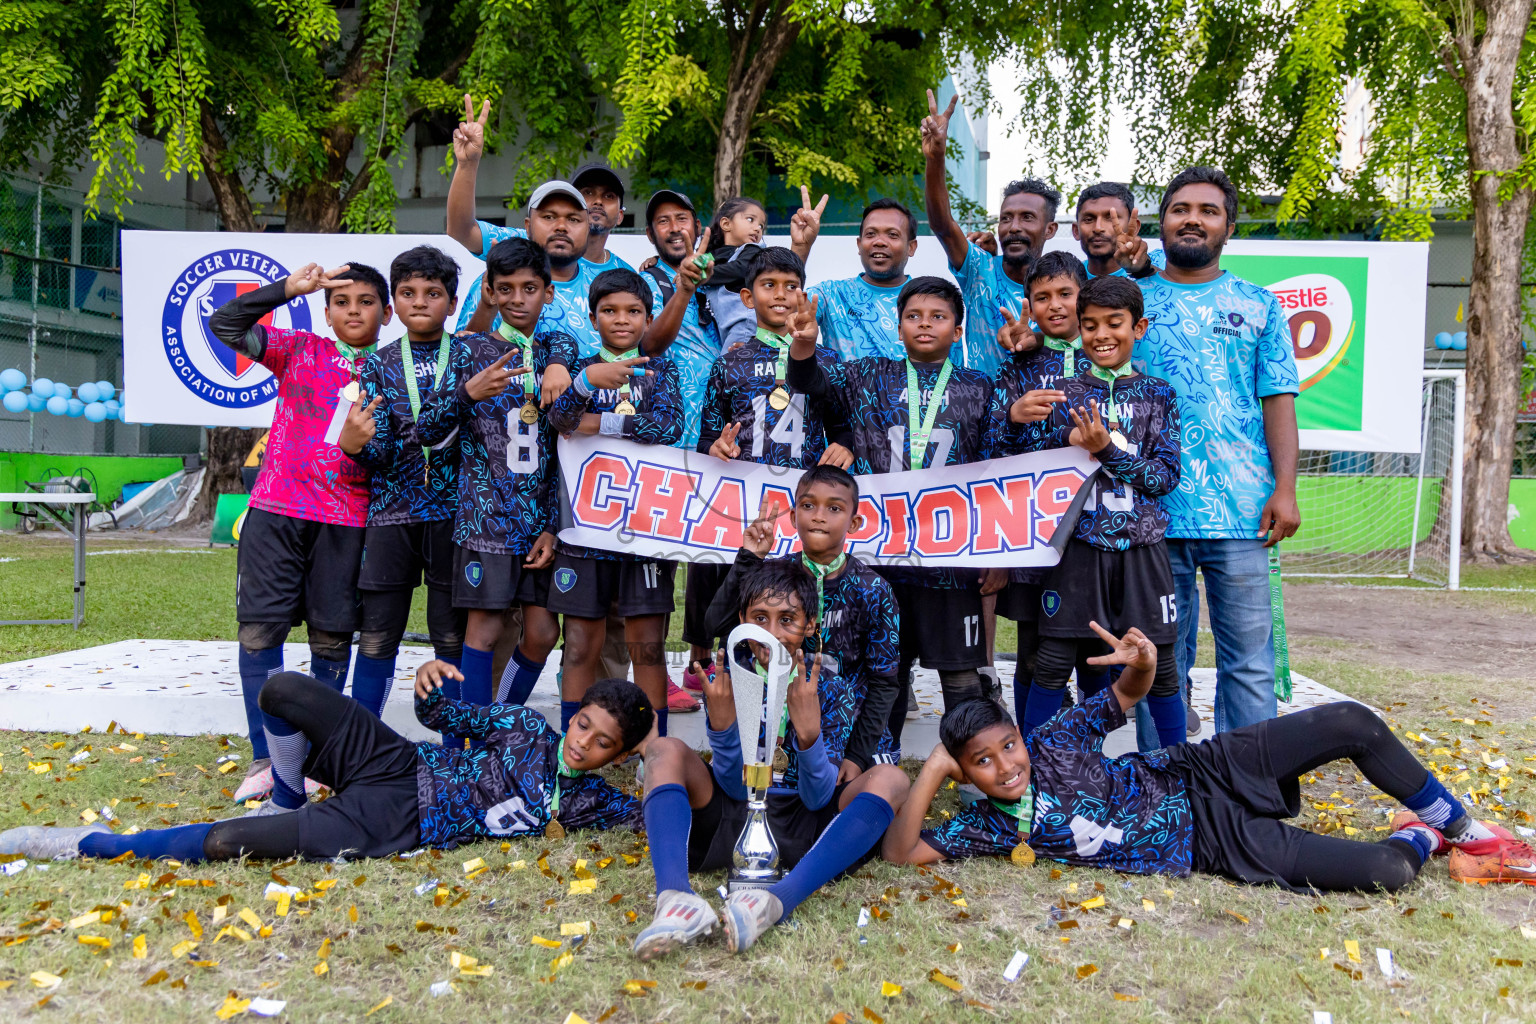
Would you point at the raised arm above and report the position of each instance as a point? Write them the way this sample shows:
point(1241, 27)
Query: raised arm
point(1137, 654)
point(468, 147)
point(692, 272)
point(805, 225)
point(936, 182)
point(903, 843)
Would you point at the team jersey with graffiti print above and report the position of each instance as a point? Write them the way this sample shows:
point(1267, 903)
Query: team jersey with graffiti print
point(507, 495)
point(1123, 510)
point(738, 391)
point(505, 786)
point(1127, 814)
point(405, 486)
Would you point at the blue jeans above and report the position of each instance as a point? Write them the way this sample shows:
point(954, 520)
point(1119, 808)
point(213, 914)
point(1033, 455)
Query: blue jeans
point(1237, 593)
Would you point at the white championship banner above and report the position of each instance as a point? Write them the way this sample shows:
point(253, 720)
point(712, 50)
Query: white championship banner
point(658, 502)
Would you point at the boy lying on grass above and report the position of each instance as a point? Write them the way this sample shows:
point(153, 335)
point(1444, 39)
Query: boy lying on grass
point(1216, 807)
point(523, 778)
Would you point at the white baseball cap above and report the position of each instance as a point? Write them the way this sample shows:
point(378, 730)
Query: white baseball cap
point(556, 187)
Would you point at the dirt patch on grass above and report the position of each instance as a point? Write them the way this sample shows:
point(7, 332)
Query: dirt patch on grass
point(1421, 630)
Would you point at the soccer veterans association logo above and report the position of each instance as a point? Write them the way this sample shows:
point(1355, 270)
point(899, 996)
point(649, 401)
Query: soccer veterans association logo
point(206, 366)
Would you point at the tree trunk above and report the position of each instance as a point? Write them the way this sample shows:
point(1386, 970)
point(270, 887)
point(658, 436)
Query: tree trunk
point(1494, 303)
point(314, 209)
point(752, 64)
point(228, 448)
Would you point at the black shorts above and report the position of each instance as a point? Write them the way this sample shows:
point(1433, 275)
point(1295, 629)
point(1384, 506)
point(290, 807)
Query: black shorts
point(588, 587)
point(372, 812)
point(495, 581)
point(296, 570)
point(1116, 589)
point(940, 626)
point(704, 582)
point(717, 825)
point(1019, 602)
point(395, 557)
point(1238, 805)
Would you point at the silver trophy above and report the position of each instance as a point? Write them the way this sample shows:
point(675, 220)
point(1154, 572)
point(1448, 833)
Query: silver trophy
point(759, 702)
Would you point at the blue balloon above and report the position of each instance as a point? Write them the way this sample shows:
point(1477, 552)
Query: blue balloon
point(58, 405)
point(1443, 340)
point(76, 408)
point(14, 401)
point(36, 403)
point(12, 380)
point(95, 412)
point(43, 388)
point(105, 389)
point(112, 405)
point(1459, 341)
point(88, 393)
point(63, 391)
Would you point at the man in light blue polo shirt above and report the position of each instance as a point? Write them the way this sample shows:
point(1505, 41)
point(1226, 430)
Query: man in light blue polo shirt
point(857, 315)
point(1225, 346)
point(1026, 220)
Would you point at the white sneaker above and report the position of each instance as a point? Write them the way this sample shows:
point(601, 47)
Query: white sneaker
point(749, 913)
point(257, 784)
point(46, 842)
point(912, 709)
point(681, 918)
point(268, 808)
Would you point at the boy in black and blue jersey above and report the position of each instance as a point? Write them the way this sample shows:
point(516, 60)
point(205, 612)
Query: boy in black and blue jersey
point(617, 393)
point(495, 393)
point(1115, 567)
point(413, 490)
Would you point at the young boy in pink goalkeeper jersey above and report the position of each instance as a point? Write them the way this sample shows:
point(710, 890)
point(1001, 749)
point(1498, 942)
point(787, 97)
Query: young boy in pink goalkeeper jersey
point(302, 542)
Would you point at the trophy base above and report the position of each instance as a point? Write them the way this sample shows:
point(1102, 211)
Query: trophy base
point(743, 884)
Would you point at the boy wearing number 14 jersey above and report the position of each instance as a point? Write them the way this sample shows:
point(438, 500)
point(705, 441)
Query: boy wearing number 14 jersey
point(495, 392)
point(907, 414)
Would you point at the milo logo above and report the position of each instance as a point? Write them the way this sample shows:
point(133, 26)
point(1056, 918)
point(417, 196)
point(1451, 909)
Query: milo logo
point(1321, 315)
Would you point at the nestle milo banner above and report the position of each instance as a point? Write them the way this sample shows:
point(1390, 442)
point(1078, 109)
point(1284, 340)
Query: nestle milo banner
point(1355, 312)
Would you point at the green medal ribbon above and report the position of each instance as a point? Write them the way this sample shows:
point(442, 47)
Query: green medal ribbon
point(513, 336)
point(562, 771)
point(821, 572)
point(411, 390)
point(1069, 351)
point(917, 434)
point(781, 342)
point(609, 357)
point(1108, 376)
point(1021, 810)
point(1277, 616)
point(354, 354)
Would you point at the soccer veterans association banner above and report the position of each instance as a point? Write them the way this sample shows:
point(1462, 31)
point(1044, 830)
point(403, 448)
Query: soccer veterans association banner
point(174, 369)
point(668, 503)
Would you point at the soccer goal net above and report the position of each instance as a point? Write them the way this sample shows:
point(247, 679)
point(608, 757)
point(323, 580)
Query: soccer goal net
point(1386, 514)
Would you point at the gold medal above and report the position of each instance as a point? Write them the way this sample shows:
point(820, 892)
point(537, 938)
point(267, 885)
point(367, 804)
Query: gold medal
point(352, 392)
point(555, 830)
point(1022, 855)
point(779, 398)
point(529, 413)
point(780, 760)
point(625, 408)
point(1118, 440)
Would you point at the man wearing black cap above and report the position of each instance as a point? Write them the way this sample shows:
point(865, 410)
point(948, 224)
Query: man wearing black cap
point(604, 193)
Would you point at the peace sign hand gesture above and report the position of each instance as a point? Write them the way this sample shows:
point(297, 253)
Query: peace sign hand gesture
point(802, 326)
point(936, 127)
point(725, 446)
point(1130, 247)
point(1016, 335)
point(759, 535)
point(695, 269)
point(1088, 430)
point(469, 136)
point(494, 379)
point(359, 427)
point(805, 225)
point(1133, 650)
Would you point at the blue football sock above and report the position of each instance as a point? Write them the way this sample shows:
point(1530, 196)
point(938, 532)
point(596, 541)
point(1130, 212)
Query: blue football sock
point(1422, 841)
point(1435, 805)
point(331, 673)
point(477, 676)
point(667, 821)
point(1040, 707)
point(183, 843)
point(289, 748)
point(519, 678)
point(1168, 716)
point(568, 709)
point(1090, 683)
point(661, 720)
point(453, 690)
point(371, 680)
point(849, 837)
point(255, 670)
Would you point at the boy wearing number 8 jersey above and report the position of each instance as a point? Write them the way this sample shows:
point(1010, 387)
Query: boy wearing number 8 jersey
point(1115, 567)
point(495, 393)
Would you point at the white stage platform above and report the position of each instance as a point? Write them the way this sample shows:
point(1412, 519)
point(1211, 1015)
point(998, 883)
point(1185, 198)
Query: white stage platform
point(191, 687)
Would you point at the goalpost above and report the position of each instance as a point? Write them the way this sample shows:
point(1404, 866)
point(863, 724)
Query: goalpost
point(1388, 515)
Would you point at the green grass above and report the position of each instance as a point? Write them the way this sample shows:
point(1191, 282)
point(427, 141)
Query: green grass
point(1190, 957)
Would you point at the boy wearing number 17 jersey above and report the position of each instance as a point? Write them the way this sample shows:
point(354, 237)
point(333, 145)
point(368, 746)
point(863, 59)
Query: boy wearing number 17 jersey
point(507, 498)
point(909, 414)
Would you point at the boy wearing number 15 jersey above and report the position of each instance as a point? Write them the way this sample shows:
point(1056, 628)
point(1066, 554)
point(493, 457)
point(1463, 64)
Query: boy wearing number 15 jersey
point(908, 414)
point(505, 520)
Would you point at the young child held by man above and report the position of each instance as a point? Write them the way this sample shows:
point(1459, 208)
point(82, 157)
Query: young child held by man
point(617, 393)
point(694, 812)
